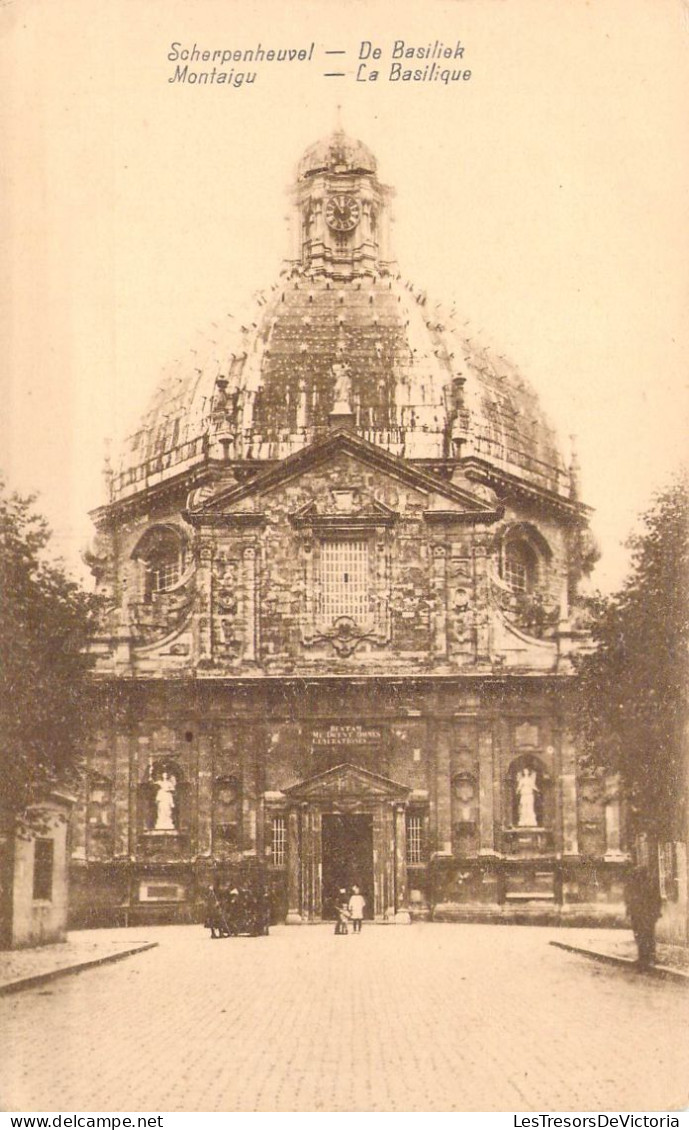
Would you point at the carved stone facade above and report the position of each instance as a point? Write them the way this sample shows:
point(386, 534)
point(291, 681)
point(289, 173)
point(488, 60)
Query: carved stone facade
point(341, 562)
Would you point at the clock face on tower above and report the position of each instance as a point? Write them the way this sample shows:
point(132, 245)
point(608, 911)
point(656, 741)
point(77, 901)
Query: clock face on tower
point(342, 212)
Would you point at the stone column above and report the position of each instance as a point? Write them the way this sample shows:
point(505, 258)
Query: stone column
point(294, 917)
point(204, 797)
point(310, 599)
point(568, 777)
point(486, 790)
point(443, 795)
point(125, 795)
point(389, 864)
point(402, 916)
point(481, 598)
point(380, 852)
point(250, 624)
point(260, 787)
point(314, 864)
point(204, 583)
point(311, 866)
point(439, 591)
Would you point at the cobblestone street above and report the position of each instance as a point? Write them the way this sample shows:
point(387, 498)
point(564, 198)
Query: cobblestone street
point(427, 1018)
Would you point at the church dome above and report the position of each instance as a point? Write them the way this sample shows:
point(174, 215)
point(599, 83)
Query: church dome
point(337, 153)
point(341, 340)
point(263, 387)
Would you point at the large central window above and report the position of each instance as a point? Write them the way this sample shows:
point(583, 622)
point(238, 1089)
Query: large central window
point(344, 577)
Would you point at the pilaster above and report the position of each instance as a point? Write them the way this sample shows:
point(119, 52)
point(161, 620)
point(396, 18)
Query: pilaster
point(443, 790)
point(204, 582)
point(486, 791)
point(204, 802)
point(402, 916)
point(568, 793)
point(439, 615)
point(250, 609)
point(294, 916)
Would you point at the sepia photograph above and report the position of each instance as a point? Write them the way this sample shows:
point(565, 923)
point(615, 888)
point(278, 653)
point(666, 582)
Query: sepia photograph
point(344, 557)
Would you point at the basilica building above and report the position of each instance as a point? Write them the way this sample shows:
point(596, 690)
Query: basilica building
point(340, 559)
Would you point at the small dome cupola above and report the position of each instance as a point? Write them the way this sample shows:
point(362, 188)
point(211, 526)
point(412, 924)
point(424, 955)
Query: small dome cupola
point(341, 217)
point(337, 153)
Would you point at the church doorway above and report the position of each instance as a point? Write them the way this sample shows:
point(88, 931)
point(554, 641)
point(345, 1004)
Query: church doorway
point(347, 857)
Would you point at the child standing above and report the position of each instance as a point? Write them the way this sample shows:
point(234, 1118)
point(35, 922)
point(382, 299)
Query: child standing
point(357, 902)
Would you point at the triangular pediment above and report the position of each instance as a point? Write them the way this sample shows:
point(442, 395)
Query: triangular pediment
point(348, 781)
point(445, 496)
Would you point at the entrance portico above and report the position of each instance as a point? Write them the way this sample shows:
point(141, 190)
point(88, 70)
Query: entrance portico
point(343, 826)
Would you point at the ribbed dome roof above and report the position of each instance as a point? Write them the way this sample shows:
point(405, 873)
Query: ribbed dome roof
point(418, 386)
point(337, 153)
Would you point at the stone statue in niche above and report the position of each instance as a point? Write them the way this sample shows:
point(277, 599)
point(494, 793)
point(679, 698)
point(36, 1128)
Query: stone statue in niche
point(343, 387)
point(165, 802)
point(527, 790)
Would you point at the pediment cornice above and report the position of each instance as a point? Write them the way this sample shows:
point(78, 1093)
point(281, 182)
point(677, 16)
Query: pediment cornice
point(347, 781)
point(202, 507)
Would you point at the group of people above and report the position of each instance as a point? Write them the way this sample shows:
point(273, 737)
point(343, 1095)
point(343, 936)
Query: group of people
point(231, 911)
point(349, 909)
point(237, 910)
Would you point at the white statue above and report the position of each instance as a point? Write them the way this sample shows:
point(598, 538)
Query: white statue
point(165, 802)
point(526, 795)
point(343, 387)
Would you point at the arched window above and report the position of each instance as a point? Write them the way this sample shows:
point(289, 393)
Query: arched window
point(162, 552)
point(524, 559)
point(519, 567)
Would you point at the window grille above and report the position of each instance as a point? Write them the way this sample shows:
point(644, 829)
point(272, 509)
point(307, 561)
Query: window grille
point(163, 574)
point(518, 568)
point(344, 577)
point(279, 842)
point(44, 853)
point(414, 839)
point(162, 553)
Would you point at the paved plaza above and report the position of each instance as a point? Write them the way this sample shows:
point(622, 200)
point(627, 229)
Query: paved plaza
point(424, 1018)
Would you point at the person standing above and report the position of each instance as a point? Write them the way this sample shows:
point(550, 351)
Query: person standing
point(357, 902)
point(342, 912)
point(643, 908)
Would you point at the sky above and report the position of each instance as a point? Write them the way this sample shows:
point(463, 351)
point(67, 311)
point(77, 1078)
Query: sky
point(545, 196)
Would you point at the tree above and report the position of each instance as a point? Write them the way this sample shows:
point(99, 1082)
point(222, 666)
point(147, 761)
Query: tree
point(46, 621)
point(632, 696)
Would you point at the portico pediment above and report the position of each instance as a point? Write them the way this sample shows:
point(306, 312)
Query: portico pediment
point(345, 782)
point(243, 503)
